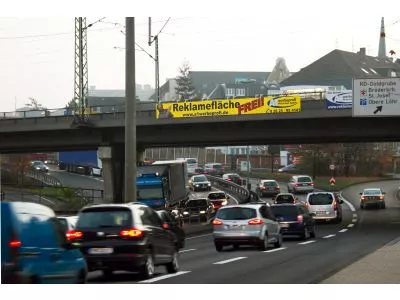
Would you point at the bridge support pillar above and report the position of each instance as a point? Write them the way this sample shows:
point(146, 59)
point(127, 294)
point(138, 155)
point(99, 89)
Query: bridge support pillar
point(140, 155)
point(118, 174)
point(105, 154)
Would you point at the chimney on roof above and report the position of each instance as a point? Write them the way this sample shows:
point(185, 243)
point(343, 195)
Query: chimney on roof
point(362, 51)
point(382, 41)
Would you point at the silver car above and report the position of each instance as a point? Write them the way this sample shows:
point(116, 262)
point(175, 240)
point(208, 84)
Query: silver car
point(246, 224)
point(300, 184)
point(372, 196)
point(325, 206)
point(199, 182)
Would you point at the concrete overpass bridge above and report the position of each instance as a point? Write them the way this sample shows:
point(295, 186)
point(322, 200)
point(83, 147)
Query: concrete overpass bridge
point(314, 124)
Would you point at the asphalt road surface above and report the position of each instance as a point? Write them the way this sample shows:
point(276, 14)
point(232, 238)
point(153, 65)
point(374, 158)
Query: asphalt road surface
point(335, 246)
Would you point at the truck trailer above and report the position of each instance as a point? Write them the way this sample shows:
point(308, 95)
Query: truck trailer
point(163, 184)
point(85, 162)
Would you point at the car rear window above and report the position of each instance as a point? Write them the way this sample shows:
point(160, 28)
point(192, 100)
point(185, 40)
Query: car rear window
point(105, 217)
point(191, 161)
point(236, 213)
point(216, 196)
point(196, 203)
point(304, 179)
point(217, 167)
point(372, 192)
point(270, 183)
point(280, 211)
point(284, 199)
point(63, 223)
point(320, 199)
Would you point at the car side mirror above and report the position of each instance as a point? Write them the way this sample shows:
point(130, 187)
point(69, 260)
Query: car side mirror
point(360, 193)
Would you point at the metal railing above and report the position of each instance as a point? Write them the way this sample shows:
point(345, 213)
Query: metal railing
point(43, 177)
point(239, 192)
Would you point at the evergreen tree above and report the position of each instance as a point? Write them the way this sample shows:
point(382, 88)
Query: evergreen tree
point(184, 89)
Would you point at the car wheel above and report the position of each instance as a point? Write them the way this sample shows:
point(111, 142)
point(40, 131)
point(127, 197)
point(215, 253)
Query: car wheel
point(107, 273)
point(264, 243)
point(306, 234)
point(173, 265)
point(81, 277)
point(236, 246)
point(218, 247)
point(312, 233)
point(362, 206)
point(147, 270)
point(278, 243)
point(383, 206)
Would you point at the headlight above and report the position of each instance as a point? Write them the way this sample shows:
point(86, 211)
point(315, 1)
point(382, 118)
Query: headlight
point(209, 184)
point(202, 211)
point(37, 168)
point(197, 185)
point(225, 202)
point(185, 213)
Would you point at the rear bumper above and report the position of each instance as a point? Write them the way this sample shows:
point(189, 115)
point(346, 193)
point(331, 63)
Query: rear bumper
point(237, 237)
point(293, 229)
point(248, 240)
point(125, 262)
point(269, 193)
point(372, 202)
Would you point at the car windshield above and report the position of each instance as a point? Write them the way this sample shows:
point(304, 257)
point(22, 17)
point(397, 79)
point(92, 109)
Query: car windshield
point(270, 183)
point(196, 203)
point(63, 223)
point(372, 192)
point(199, 178)
point(104, 217)
point(236, 213)
point(216, 196)
point(148, 193)
point(304, 179)
point(284, 199)
point(281, 211)
point(320, 199)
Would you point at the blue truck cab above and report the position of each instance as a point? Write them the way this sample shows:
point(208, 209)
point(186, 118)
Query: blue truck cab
point(34, 248)
point(162, 184)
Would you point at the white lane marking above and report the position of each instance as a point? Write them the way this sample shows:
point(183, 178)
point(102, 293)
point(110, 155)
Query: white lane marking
point(352, 208)
point(308, 242)
point(329, 236)
point(350, 225)
point(187, 250)
point(164, 277)
point(229, 260)
point(343, 230)
point(198, 236)
point(354, 220)
point(274, 250)
point(355, 215)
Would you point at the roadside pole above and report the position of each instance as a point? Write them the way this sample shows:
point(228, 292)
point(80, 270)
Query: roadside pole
point(130, 114)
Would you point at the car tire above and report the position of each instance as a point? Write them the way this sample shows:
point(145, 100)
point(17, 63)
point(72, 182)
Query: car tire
point(81, 279)
point(218, 247)
point(278, 243)
point(383, 206)
point(306, 234)
point(362, 206)
point(107, 273)
point(147, 270)
point(312, 233)
point(264, 243)
point(173, 265)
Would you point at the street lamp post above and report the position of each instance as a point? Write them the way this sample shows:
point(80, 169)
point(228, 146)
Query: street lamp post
point(248, 168)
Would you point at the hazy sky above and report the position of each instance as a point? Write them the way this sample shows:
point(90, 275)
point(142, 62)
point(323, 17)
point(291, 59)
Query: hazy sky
point(37, 53)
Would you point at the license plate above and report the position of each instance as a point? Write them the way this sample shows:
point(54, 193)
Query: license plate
point(100, 250)
point(284, 225)
point(321, 212)
point(305, 184)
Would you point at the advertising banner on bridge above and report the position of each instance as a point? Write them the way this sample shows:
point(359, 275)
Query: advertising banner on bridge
point(339, 100)
point(229, 107)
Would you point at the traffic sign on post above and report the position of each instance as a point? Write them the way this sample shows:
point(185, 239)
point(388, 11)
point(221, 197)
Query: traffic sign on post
point(331, 167)
point(332, 181)
point(376, 97)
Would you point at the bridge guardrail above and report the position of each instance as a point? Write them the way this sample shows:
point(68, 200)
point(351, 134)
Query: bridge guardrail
point(43, 177)
point(236, 190)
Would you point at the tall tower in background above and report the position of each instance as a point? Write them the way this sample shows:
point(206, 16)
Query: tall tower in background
point(81, 64)
point(382, 41)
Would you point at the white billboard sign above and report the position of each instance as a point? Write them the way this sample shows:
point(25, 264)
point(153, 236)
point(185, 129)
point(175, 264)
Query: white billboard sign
point(376, 97)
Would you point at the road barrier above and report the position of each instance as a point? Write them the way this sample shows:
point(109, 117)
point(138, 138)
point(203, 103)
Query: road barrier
point(43, 177)
point(239, 192)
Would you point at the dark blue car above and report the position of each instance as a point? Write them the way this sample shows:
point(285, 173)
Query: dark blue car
point(34, 248)
point(294, 219)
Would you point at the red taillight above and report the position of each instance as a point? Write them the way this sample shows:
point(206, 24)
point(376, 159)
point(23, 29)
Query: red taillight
point(334, 204)
point(132, 233)
point(14, 244)
point(299, 219)
point(74, 234)
point(263, 188)
point(297, 184)
point(229, 179)
point(217, 222)
point(312, 184)
point(165, 225)
point(256, 222)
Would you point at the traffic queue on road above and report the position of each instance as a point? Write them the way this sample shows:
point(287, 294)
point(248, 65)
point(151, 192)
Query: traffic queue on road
point(40, 247)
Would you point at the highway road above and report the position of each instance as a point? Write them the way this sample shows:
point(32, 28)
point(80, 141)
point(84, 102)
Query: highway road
point(336, 246)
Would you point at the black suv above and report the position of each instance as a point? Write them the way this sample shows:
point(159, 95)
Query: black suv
point(126, 237)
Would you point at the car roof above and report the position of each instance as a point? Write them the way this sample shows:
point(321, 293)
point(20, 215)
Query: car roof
point(298, 176)
point(29, 208)
point(125, 205)
point(285, 194)
point(268, 180)
point(287, 204)
point(321, 192)
point(249, 205)
point(372, 189)
point(216, 192)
